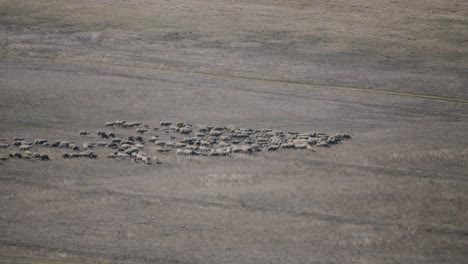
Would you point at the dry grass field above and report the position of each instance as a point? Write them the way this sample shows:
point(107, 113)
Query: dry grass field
point(392, 74)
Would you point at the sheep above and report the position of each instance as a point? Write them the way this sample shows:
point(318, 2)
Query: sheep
point(111, 135)
point(118, 155)
point(141, 130)
point(240, 135)
point(247, 149)
point(88, 154)
point(203, 128)
point(66, 155)
point(116, 140)
point(256, 147)
point(102, 134)
point(119, 122)
point(89, 145)
point(248, 141)
point(16, 155)
point(204, 149)
point(43, 157)
point(273, 148)
point(74, 155)
point(333, 140)
point(4, 145)
point(199, 134)
point(143, 158)
point(139, 146)
point(220, 152)
point(189, 140)
point(225, 138)
point(191, 147)
point(84, 133)
point(187, 152)
point(40, 141)
point(205, 143)
point(27, 155)
point(101, 144)
point(18, 138)
point(236, 149)
point(125, 146)
point(300, 145)
point(165, 123)
point(138, 138)
point(170, 143)
point(25, 147)
point(159, 143)
point(185, 130)
point(312, 141)
point(113, 145)
point(224, 144)
point(163, 150)
point(4, 158)
point(179, 145)
point(74, 147)
point(215, 133)
point(45, 144)
point(64, 144)
point(131, 150)
point(322, 144)
point(112, 156)
point(153, 138)
point(231, 128)
point(109, 124)
point(287, 145)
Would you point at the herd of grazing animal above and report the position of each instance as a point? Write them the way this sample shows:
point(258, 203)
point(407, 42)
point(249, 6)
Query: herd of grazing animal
point(182, 138)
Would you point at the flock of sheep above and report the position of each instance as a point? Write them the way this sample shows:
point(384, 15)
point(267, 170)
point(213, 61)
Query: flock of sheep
point(182, 138)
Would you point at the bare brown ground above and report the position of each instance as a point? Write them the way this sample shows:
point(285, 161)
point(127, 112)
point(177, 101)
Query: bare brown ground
point(396, 193)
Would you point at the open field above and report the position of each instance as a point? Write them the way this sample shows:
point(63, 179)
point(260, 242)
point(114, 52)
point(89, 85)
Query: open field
point(390, 74)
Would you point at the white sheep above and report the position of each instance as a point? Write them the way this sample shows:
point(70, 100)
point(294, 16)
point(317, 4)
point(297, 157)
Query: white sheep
point(25, 147)
point(40, 141)
point(165, 123)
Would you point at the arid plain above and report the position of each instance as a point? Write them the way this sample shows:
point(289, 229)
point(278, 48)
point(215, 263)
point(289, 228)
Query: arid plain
point(392, 74)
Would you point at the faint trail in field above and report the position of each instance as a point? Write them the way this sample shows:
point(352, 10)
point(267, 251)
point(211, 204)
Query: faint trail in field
point(258, 79)
point(241, 205)
point(78, 256)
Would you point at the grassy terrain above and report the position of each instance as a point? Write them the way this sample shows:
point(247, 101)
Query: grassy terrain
point(416, 47)
point(395, 193)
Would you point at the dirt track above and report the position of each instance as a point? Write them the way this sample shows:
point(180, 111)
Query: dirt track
point(396, 193)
